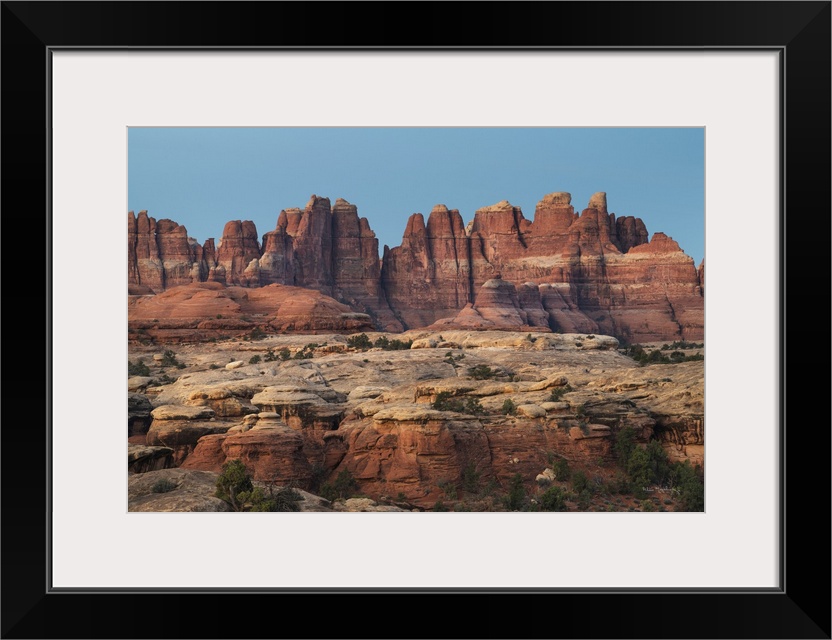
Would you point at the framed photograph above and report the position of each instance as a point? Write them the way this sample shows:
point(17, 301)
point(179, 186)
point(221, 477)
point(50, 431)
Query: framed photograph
point(753, 78)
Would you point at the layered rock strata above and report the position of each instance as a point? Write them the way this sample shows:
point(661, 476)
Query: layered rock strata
point(588, 272)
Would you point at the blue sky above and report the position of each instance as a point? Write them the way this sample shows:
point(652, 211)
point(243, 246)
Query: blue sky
point(203, 177)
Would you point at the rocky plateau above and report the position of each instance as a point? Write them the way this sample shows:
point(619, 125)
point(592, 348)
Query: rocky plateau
point(452, 420)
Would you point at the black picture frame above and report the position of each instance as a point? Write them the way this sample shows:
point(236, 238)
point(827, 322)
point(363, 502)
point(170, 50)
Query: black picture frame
point(799, 31)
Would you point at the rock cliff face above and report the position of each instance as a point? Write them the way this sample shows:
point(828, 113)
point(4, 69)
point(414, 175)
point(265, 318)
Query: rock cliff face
point(561, 271)
point(202, 311)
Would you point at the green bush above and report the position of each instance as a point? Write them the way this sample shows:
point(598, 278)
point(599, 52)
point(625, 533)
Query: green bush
point(233, 481)
point(361, 341)
point(553, 499)
point(558, 393)
point(689, 485)
point(561, 469)
point(213, 366)
point(439, 506)
point(580, 481)
point(625, 442)
point(235, 487)
point(306, 352)
point(392, 345)
point(257, 334)
point(446, 402)
point(254, 359)
point(342, 488)
point(169, 359)
point(516, 498)
point(509, 408)
point(163, 485)
point(280, 500)
point(448, 488)
point(482, 372)
point(138, 369)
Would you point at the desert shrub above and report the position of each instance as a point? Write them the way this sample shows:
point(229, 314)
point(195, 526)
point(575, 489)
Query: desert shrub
point(360, 341)
point(138, 369)
point(272, 500)
point(439, 506)
point(553, 499)
point(558, 392)
point(482, 372)
point(305, 353)
point(625, 442)
point(169, 359)
point(584, 499)
point(446, 402)
point(254, 359)
point(561, 469)
point(233, 481)
point(689, 485)
point(343, 487)
point(580, 481)
point(509, 408)
point(256, 334)
point(516, 498)
point(448, 488)
point(648, 466)
point(165, 379)
point(213, 366)
point(472, 407)
point(392, 345)
point(163, 485)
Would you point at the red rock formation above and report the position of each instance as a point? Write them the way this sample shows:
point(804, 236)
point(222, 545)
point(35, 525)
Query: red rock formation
point(176, 251)
point(144, 264)
point(238, 247)
point(593, 272)
point(355, 264)
point(274, 454)
point(160, 254)
point(277, 261)
point(499, 307)
point(428, 276)
point(655, 295)
point(207, 310)
point(313, 247)
point(417, 451)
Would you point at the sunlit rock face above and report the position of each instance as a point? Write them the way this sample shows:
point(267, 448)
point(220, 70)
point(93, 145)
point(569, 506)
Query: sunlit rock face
point(589, 271)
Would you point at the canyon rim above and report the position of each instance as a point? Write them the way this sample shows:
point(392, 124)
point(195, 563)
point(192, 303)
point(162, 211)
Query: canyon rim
point(487, 361)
